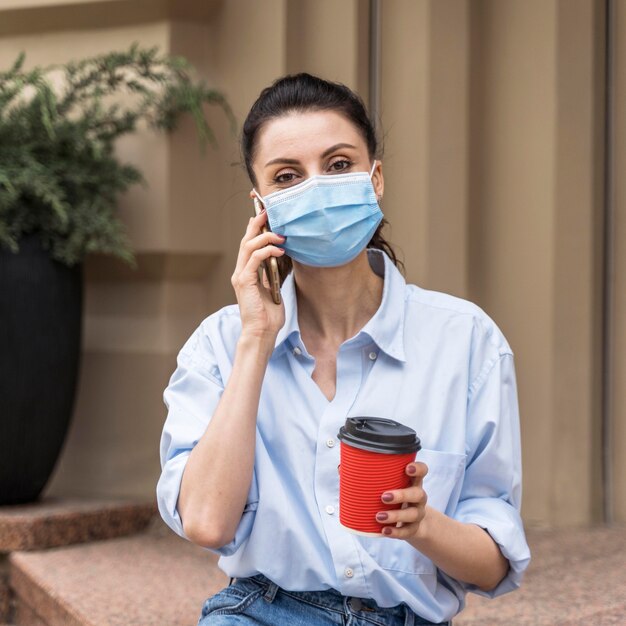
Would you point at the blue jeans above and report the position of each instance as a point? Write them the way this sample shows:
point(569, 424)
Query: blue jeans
point(257, 600)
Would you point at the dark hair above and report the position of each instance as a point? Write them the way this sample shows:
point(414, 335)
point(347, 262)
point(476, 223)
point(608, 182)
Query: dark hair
point(301, 93)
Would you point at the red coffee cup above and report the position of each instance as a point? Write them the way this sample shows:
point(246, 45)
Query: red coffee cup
point(374, 454)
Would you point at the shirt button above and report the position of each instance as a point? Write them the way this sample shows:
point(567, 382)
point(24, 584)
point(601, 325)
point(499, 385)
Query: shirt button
point(348, 572)
point(330, 443)
point(297, 351)
point(372, 356)
point(330, 509)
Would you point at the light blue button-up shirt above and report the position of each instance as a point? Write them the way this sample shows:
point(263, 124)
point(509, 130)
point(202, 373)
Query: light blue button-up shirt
point(429, 360)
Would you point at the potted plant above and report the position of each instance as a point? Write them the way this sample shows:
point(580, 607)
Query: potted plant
point(59, 184)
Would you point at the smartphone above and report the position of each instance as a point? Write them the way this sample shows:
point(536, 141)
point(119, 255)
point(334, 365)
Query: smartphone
point(271, 264)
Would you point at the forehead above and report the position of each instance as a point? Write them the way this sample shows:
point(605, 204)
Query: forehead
point(298, 134)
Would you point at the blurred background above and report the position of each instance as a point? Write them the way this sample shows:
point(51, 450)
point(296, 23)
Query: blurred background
point(504, 141)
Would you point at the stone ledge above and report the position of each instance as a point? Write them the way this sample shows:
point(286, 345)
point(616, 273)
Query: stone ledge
point(5, 591)
point(575, 578)
point(156, 578)
point(53, 523)
point(151, 579)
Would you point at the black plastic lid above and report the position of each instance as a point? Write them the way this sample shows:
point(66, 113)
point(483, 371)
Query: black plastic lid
point(378, 434)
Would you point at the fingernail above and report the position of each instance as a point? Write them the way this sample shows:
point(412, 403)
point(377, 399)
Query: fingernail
point(387, 531)
point(387, 497)
point(411, 469)
point(381, 517)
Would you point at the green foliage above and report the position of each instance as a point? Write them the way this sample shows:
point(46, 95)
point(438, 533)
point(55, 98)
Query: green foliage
point(59, 175)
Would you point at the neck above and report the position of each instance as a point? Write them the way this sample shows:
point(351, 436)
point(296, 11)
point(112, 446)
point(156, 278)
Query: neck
point(334, 303)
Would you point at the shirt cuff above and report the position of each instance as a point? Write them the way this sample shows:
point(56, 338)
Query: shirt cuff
point(168, 489)
point(504, 524)
point(242, 533)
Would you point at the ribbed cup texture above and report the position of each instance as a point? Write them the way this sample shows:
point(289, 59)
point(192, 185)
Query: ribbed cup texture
point(363, 478)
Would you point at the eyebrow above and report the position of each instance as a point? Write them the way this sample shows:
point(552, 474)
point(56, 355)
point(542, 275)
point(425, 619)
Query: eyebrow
point(326, 152)
point(337, 146)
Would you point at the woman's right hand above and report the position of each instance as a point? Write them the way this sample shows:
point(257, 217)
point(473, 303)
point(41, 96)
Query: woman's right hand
point(261, 317)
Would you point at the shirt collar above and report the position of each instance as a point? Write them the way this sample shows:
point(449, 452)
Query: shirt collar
point(386, 327)
point(290, 327)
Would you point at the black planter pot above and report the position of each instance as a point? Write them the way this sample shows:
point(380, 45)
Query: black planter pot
point(41, 304)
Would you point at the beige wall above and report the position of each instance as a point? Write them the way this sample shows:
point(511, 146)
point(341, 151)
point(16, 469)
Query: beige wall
point(425, 119)
point(492, 113)
point(618, 399)
point(512, 228)
point(534, 233)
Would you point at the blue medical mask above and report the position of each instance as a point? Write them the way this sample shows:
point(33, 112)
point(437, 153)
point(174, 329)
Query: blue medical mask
point(327, 219)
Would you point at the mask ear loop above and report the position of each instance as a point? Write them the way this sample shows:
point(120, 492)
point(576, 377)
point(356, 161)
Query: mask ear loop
point(379, 196)
point(258, 197)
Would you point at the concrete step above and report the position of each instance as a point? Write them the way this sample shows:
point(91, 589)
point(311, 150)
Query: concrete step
point(577, 577)
point(59, 522)
point(150, 579)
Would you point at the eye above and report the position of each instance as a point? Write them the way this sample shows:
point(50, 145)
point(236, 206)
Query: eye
point(340, 165)
point(285, 178)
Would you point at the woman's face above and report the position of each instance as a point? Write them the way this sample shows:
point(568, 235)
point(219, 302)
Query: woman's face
point(296, 146)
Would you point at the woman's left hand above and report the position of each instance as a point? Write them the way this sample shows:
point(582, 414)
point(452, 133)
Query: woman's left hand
point(413, 500)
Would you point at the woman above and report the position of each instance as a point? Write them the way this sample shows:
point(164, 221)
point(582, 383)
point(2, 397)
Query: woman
point(249, 449)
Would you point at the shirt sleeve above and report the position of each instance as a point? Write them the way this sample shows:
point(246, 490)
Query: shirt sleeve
point(191, 397)
point(492, 486)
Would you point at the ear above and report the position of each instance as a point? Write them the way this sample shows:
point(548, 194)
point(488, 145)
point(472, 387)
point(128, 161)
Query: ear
point(378, 181)
point(255, 194)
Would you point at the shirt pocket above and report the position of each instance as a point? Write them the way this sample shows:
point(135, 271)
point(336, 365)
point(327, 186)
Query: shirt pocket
point(442, 485)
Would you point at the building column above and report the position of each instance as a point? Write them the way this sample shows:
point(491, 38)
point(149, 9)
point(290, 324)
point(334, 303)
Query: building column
point(618, 400)
point(535, 229)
